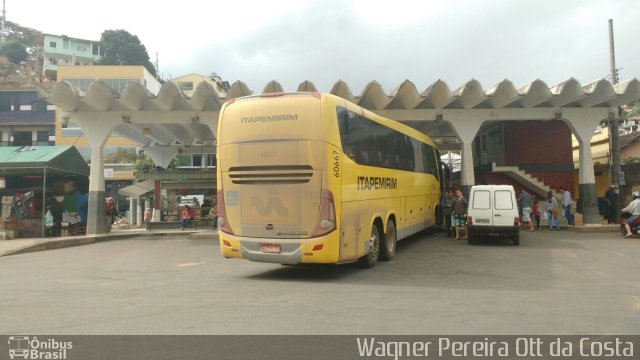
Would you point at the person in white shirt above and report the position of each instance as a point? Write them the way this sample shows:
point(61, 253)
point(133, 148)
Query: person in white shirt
point(567, 202)
point(634, 209)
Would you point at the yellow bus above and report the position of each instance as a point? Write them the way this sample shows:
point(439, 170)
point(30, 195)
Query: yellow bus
point(313, 178)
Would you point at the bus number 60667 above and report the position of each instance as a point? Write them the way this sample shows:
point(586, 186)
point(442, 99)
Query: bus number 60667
point(336, 164)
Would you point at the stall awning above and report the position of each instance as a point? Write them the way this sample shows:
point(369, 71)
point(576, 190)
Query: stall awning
point(139, 189)
point(20, 160)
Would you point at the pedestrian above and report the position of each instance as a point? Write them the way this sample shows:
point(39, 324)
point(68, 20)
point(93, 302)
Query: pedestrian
point(634, 209)
point(53, 218)
point(213, 215)
point(524, 201)
point(187, 217)
point(111, 209)
point(448, 211)
point(611, 200)
point(460, 206)
point(552, 210)
point(536, 212)
point(567, 203)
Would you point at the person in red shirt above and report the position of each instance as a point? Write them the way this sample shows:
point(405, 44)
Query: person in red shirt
point(187, 216)
point(536, 212)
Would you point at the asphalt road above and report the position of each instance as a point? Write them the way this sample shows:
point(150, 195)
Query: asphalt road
point(553, 283)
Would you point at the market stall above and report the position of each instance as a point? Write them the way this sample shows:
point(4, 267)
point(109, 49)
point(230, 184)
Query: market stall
point(36, 179)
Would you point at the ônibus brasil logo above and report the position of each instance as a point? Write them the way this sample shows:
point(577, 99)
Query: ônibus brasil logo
point(25, 347)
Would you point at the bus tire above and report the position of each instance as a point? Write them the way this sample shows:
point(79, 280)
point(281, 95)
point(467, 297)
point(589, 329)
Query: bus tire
point(389, 242)
point(371, 258)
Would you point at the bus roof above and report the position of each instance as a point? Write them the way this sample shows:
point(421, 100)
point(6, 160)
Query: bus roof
point(394, 124)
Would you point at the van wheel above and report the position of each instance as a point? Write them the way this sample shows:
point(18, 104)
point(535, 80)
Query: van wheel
point(472, 239)
point(388, 244)
point(370, 260)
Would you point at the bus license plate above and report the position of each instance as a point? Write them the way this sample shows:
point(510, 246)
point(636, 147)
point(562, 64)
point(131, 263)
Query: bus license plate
point(270, 248)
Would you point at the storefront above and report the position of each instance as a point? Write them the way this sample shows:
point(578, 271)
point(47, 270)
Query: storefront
point(33, 177)
point(166, 192)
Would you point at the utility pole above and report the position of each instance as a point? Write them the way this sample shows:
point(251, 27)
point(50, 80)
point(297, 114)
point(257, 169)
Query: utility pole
point(157, 68)
point(614, 124)
point(4, 14)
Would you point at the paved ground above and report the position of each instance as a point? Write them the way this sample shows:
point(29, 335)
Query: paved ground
point(553, 283)
point(25, 245)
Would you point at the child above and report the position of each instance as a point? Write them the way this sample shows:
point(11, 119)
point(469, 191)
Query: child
point(536, 212)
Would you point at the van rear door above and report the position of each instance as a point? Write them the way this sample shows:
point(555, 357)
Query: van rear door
point(481, 206)
point(504, 207)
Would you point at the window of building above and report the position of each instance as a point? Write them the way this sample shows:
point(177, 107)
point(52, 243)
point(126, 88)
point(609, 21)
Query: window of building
point(39, 106)
point(82, 48)
point(22, 138)
point(117, 85)
point(211, 160)
point(5, 102)
point(42, 138)
point(53, 61)
point(52, 44)
point(196, 160)
point(122, 155)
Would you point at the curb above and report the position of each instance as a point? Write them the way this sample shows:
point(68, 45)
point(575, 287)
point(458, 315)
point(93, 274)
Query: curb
point(90, 239)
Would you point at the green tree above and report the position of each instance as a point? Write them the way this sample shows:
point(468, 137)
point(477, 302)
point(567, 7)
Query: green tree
point(635, 111)
point(146, 165)
point(122, 48)
point(15, 50)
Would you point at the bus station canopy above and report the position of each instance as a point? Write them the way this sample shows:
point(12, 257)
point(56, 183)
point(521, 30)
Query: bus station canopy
point(138, 189)
point(170, 119)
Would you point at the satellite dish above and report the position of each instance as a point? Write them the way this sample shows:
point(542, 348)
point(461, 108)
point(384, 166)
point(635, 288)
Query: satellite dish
point(30, 50)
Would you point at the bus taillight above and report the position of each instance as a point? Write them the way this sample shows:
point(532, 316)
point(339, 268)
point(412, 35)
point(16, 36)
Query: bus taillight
point(327, 218)
point(223, 224)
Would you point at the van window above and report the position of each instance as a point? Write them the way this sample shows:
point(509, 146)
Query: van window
point(481, 200)
point(504, 200)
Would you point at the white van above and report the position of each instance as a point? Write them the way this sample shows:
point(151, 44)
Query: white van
point(493, 211)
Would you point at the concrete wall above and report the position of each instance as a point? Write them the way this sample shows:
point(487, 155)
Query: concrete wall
point(542, 149)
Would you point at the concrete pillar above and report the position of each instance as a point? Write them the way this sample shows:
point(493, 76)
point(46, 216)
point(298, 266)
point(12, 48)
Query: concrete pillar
point(97, 127)
point(157, 204)
point(583, 125)
point(139, 213)
point(466, 127)
point(96, 215)
point(132, 210)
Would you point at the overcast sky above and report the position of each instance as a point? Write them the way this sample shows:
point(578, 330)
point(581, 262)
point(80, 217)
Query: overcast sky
point(359, 41)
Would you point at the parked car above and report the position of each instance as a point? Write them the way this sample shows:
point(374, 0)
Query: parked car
point(493, 211)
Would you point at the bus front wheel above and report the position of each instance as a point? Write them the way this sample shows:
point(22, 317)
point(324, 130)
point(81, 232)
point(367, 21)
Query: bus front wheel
point(371, 258)
point(388, 244)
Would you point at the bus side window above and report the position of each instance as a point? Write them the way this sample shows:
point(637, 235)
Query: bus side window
point(343, 126)
point(362, 158)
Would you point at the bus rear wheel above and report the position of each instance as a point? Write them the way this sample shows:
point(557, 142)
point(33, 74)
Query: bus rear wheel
point(388, 244)
point(370, 259)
